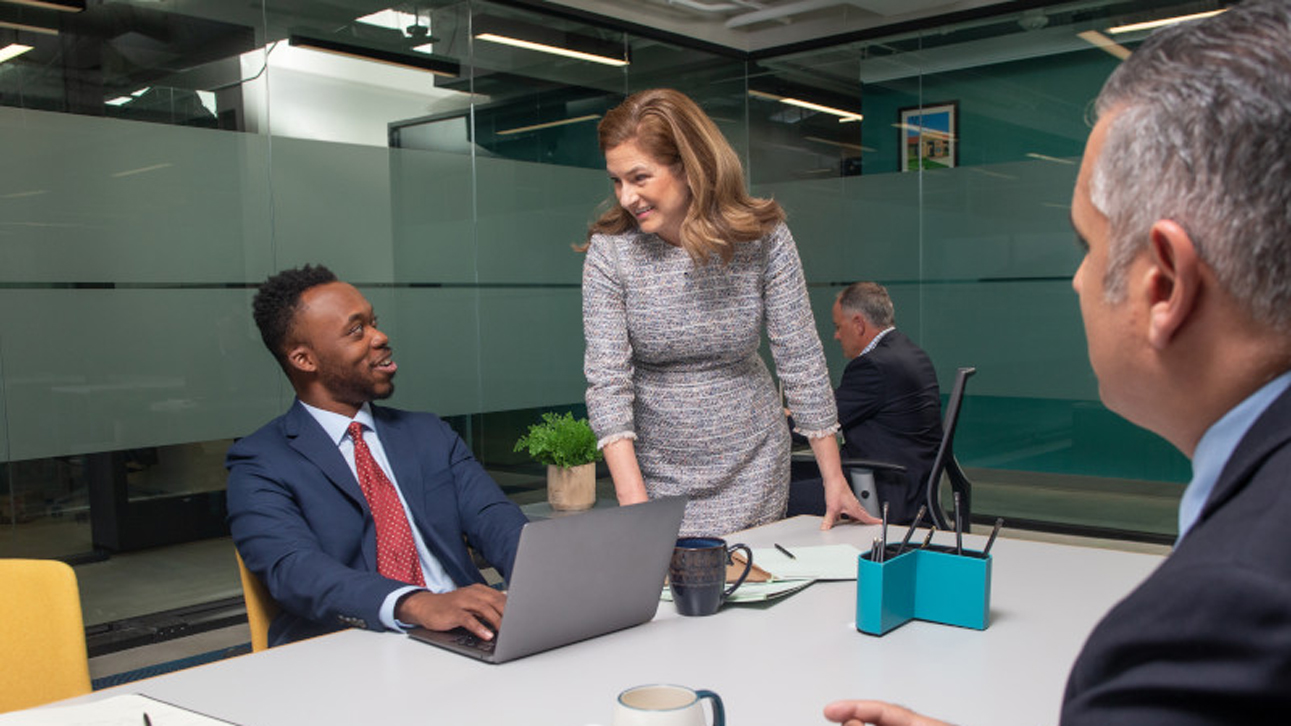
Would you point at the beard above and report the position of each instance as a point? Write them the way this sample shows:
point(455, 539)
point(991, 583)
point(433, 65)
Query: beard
point(350, 386)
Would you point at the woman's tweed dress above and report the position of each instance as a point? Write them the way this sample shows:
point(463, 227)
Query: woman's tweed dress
point(672, 361)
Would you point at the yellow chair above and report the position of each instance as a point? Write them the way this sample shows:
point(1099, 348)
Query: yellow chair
point(42, 635)
point(261, 607)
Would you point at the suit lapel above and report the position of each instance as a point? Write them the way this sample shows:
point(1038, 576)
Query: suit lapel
point(1270, 432)
point(308, 438)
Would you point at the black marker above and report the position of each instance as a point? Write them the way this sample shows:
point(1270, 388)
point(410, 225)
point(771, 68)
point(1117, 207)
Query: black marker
point(999, 522)
point(913, 526)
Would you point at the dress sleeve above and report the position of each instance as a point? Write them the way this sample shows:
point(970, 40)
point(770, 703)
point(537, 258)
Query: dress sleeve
point(795, 346)
point(607, 359)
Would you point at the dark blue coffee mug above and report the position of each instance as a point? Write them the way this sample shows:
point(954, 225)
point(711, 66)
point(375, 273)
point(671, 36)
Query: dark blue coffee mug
point(697, 574)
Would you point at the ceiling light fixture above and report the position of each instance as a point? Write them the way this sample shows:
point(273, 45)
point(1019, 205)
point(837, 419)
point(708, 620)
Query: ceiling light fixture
point(1162, 22)
point(554, 50)
point(1097, 39)
point(22, 28)
point(119, 101)
point(844, 116)
point(67, 6)
point(438, 66)
point(548, 40)
point(550, 124)
point(13, 50)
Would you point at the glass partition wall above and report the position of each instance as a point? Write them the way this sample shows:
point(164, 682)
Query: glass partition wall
point(162, 160)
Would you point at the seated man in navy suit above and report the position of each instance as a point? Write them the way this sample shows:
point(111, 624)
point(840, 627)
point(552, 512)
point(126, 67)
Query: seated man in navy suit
point(303, 490)
point(1183, 208)
point(889, 405)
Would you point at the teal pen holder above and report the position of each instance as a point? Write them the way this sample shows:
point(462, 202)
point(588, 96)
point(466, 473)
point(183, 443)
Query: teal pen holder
point(932, 584)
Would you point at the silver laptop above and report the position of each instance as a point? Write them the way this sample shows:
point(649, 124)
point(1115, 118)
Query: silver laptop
point(578, 577)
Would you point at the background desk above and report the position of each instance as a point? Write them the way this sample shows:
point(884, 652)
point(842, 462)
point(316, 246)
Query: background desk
point(775, 664)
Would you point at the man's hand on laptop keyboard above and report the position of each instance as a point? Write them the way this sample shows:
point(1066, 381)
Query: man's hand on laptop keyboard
point(476, 608)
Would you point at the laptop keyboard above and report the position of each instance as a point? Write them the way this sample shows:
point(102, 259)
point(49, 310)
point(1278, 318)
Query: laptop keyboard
point(466, 638)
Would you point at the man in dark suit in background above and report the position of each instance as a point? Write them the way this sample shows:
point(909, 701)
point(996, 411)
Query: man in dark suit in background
point(1183, 207)
point(352, 514)
point(889, 405)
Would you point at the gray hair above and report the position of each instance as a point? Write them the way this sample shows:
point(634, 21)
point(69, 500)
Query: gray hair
point(869, 299)
point(1201, 134)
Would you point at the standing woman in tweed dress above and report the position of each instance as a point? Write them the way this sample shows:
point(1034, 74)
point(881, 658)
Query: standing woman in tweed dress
point(679, 281)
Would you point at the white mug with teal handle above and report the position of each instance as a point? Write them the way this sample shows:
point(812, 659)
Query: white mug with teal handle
point(666, 705)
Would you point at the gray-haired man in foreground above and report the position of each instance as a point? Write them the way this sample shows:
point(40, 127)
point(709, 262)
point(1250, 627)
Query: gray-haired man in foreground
point(1183, 207)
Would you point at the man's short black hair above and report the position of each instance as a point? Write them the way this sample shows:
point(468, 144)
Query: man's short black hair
point(274, 306)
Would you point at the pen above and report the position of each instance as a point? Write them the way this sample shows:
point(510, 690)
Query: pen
point(786, 552)
point(928, 540)
point(999, 522)
point(146, 721)
point(959, 528)
point(913, 526)
point(884, 534)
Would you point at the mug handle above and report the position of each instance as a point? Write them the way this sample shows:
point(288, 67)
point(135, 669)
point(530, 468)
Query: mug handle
point(748, 566)
point(719, 713)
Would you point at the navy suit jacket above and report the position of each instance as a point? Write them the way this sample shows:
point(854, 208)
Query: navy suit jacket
point(1207, 638)
point(889, 407)
point(302, 524)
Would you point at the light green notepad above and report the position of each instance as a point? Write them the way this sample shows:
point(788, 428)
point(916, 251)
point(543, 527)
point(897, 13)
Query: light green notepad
point(824, 562)
point(758, 591)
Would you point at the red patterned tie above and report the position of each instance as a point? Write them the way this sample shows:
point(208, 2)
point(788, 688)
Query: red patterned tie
point(396, 549)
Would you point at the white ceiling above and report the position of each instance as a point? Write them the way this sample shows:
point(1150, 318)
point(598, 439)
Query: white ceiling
point(753, 25)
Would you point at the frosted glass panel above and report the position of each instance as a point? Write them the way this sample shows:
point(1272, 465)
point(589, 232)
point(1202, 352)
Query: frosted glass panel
point(1000, 221)
point(854, 228)
point(4, 412)
point(332, 205)
point(531, 347)
point(530, 214)
point(102, 200)
point(433, 332)
point(1025, 338)
point(99, 370)
point(433, 225)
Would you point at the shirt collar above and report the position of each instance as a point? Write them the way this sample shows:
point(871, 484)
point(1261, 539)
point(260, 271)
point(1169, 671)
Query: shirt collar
point(1217, 446)
point(336, 425)
point(877, 338)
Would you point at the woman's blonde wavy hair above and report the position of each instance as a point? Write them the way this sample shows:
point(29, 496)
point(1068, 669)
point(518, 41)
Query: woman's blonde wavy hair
point(673, 130)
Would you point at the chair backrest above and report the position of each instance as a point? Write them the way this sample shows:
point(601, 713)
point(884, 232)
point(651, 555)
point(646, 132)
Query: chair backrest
point(261, 607)
point(43, 656)
point(945, 461)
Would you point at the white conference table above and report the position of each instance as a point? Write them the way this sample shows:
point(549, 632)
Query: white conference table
point(775, 664)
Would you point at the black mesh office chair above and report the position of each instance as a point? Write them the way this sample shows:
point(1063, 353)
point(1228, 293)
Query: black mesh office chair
point(861, 471)
point(945, 461)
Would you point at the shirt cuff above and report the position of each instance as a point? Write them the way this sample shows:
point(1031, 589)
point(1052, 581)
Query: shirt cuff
point(388, 606)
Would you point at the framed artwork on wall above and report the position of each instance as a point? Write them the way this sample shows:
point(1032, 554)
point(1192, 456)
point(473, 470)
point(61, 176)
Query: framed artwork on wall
point(929, 136)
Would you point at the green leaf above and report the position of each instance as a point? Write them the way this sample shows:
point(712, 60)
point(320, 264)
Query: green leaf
point(560, 440)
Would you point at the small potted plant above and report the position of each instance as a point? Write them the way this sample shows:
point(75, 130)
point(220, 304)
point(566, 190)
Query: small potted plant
point(568, 447)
